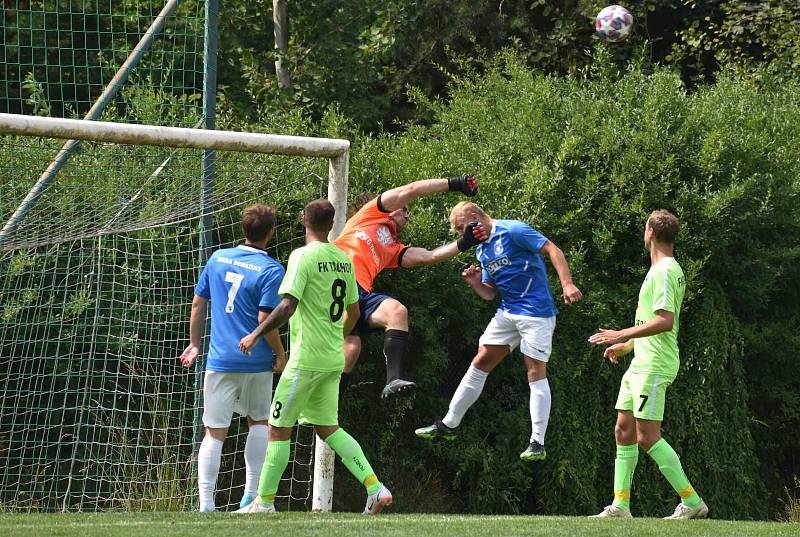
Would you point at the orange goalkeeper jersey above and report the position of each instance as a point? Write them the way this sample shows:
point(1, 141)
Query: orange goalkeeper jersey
point(370, 240)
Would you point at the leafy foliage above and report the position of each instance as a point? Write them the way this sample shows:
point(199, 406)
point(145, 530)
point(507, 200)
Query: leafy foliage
point(585, 159)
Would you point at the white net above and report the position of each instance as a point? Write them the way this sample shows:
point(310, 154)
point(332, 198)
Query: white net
point(96, 282)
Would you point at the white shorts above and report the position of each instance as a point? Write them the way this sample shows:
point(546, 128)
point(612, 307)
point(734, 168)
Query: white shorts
point(247, 394)
point(534, 335)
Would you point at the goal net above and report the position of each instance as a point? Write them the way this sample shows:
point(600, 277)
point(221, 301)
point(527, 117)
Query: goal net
point(97, 274)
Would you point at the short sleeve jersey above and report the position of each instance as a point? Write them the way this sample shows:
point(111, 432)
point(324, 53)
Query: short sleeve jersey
point(321, 277)
point(369, 238)
point(240, 282)
point(511, 259)
point(663, 289)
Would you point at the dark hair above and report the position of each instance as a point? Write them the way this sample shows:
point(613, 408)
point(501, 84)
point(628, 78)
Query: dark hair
point(664, 225)
point(360, 200)
point(258, 221)
point(319, 215)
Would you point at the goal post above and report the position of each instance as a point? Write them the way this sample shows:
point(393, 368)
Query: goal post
point(96, 274)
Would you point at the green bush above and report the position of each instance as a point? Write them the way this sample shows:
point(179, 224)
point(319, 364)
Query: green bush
point(585, 159)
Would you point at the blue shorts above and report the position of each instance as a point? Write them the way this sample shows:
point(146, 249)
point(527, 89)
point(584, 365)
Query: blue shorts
point(368, 302)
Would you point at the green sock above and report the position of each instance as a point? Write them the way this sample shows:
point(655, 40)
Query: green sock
point(274, 464)
point(624, 465)
point(670, 465)
point(353, 458)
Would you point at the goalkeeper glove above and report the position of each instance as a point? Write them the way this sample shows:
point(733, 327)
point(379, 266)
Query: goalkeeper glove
point(468, 184)
point(474, 234)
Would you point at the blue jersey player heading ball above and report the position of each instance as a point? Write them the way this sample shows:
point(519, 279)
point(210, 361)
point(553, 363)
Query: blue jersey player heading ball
point(511, 265)
point(242, 285)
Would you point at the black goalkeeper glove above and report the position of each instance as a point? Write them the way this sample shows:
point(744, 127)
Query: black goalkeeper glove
point(474, 234)
point(468, 184)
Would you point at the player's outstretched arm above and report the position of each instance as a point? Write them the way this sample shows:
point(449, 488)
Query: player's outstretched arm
point(474, 234)
point(276, 319)
point(197, 325)
point(399, 197)
point(662, 322)
point(571, 293)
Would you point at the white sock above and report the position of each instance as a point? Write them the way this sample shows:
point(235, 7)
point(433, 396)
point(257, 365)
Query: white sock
point(208, 460)
point(466, 394)
point(540, 408)
point(255, 450)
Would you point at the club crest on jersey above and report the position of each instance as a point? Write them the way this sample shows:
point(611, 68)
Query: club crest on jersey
point(498, 248)
point(385, 235)
point(497, 264)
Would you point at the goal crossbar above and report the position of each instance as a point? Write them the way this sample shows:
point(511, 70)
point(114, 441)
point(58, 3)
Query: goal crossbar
point(124, 133)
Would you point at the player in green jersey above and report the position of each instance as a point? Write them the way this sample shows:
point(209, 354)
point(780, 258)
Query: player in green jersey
point(320, 301)
point(654, 342)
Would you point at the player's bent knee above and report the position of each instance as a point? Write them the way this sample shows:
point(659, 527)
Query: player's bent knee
point(397, 311)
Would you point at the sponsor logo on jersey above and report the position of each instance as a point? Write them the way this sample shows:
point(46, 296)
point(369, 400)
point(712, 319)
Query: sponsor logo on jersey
point(385, 235)
point(371, 245)
point(497, 264)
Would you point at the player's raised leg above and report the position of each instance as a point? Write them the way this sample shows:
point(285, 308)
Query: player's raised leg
point(468, 391)
point(392, 316)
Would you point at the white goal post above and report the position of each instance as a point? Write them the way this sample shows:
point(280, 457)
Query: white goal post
point(335, 150)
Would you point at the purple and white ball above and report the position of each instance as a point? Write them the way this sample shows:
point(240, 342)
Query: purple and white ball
point(614, 23)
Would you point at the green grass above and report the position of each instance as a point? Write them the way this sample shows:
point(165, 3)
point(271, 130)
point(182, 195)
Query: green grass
point(345, 525)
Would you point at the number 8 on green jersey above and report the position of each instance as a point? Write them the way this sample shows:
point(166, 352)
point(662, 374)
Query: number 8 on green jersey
point(321, 278)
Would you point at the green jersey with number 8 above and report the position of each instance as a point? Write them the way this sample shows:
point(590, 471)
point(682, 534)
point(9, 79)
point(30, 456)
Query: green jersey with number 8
point(321, 277)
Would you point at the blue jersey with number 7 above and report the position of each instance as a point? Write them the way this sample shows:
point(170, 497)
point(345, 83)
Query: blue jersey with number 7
point(240, 282)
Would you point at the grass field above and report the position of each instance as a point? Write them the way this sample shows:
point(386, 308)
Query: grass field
point(346, 525)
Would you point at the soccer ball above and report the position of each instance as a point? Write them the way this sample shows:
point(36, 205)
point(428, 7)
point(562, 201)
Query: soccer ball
point(613, 23)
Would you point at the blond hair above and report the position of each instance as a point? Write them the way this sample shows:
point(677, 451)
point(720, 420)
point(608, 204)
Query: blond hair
point(467, 209)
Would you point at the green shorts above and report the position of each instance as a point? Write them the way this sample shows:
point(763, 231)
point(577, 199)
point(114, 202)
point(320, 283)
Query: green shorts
point(644, 394)
point(310, 397)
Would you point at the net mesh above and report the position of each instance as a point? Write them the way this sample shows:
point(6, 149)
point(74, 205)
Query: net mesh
point(96, 280)
point(57, 57)
point(96, 283)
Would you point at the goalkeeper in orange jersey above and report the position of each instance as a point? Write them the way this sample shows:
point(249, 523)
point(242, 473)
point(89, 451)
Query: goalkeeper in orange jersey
point(370, 239)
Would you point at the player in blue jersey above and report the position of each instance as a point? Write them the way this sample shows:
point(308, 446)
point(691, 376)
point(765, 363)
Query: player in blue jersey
point(242, 285)
point(511, 265)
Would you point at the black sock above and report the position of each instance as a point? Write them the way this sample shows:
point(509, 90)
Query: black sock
point(395, 348)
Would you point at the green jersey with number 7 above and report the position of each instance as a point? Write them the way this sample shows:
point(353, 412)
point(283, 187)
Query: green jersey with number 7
point(321, 277)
